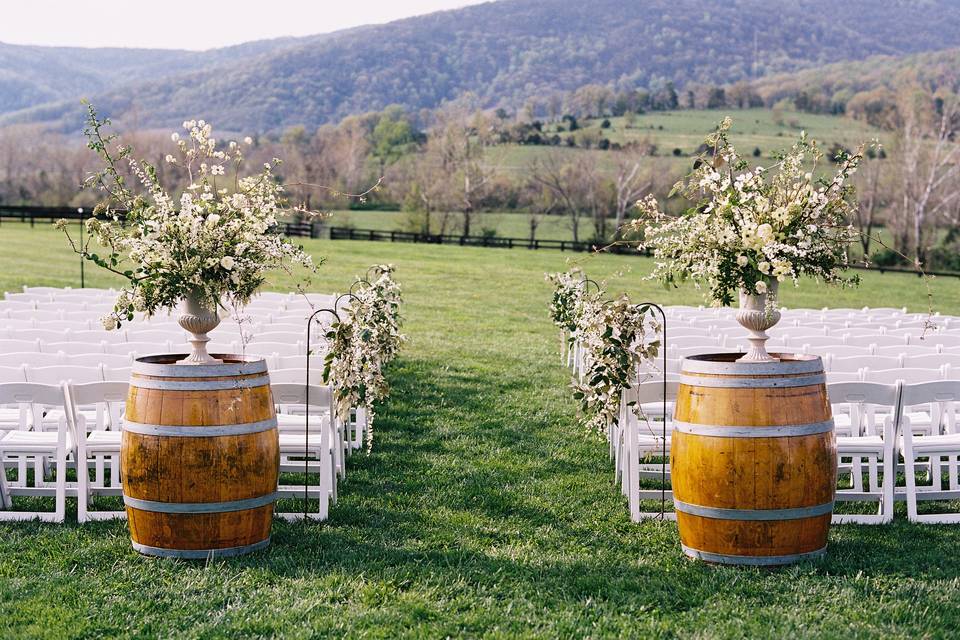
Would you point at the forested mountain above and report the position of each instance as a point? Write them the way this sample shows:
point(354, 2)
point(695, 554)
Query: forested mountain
point(31, 75)
point(505, 52)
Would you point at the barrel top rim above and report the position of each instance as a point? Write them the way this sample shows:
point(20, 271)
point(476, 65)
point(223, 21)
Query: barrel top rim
point(166, 365)
point(726, 364)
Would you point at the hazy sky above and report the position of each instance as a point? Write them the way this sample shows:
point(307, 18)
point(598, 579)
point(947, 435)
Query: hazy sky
point(193, 24)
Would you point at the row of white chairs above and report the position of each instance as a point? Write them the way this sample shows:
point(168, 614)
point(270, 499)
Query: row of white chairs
point(38, 296)
point(86, 368)
point(288, 347)
point(876, 425)
point(56, 427)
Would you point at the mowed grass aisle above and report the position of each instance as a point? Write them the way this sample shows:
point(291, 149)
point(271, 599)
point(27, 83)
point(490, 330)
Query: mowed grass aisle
point(483, 511)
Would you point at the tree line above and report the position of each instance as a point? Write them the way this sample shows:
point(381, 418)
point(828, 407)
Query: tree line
point(443, 167)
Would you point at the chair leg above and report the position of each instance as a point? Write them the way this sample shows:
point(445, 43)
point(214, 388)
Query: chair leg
point(889, 484)
point(83, 487)
point(909, 472)
point(61, 494)
point(6, 502)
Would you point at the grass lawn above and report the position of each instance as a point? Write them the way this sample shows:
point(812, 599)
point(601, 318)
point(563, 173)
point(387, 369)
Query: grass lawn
point(484, 511)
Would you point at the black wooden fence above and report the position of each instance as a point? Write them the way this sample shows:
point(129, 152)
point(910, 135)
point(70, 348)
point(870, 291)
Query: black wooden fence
point(349, 233)
point(32, 214)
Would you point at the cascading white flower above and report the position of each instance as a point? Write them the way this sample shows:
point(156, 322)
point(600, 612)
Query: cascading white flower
point(615, 338)
point(362, 343)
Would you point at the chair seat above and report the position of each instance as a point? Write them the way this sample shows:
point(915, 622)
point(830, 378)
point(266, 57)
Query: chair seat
point(103, 442)
point(859, 444)
point(32, 442)
point(937, 444)
point(293, 443)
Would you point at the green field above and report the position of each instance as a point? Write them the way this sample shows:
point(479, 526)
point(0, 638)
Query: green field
point(686, 129)
point(483, 511)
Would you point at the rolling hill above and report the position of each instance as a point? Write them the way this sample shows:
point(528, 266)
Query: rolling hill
point(503, 51)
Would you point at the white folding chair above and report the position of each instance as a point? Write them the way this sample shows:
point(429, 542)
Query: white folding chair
point(306, 446)
point(63, 325)
point(31, 359)
point(12, 374)
point(139, 348)
point(98, 336)
point(856, 363)
point(844, 376)
point(95, 415)
point(19, 346)
point(876, 341)
point(821, 342)
point(865, 418)
point(23, 445)
point(837, 351)
point(906, 375)
point(116, 374)
point(73, 348)
point(300, 362)
point(156, 335)
point(943, 340)
point(56, 374)
point(295, 328)
point(45, 336)
point(266, 348)
point(941, 399)
point(108, 359)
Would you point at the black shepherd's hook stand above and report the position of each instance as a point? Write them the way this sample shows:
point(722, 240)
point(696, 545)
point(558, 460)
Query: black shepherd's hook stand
point(306, 420)
point(306, 423)
point(663, 399)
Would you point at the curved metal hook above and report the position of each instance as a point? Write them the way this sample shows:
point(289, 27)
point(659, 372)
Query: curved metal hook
point(359, 281)
point(336, 303)
point(373, 267)
point(663, 435)
point(306, 413)
point(588, 281)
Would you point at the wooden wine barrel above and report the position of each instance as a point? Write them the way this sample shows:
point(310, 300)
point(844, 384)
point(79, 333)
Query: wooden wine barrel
point(753, 459)
point(200, 457)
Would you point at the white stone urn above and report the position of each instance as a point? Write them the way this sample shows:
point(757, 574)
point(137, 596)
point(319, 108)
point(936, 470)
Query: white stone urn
point(197, 318)
point(756, 318)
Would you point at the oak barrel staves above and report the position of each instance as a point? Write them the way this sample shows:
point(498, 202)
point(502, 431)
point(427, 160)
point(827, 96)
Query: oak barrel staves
point(200, 457)
point(753, 459)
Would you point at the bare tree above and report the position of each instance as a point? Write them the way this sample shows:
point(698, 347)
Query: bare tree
point(874, 191)
point(575, 186)
point(631, 183)
point(930, 166)
point(460, 142)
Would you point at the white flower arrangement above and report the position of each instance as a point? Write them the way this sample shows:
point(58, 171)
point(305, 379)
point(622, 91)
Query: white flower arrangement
point(614, 338)
point(567, 293)
point(748, 227)
point(362, 343)
point(216, 240)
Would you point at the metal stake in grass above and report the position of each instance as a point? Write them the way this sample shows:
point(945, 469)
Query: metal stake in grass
point(306, 413)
